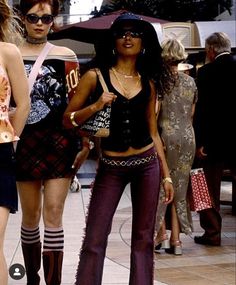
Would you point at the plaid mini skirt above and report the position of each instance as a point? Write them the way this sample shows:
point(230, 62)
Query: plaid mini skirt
point(45, 153)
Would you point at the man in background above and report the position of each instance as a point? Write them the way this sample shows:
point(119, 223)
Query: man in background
point(214, 124)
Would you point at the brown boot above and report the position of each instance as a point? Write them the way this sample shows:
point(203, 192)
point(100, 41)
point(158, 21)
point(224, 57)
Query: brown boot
point(52, 266)
point(32, 259)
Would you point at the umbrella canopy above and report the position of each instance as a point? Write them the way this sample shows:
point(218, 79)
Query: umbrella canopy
point(105, 21)
point(93, 29)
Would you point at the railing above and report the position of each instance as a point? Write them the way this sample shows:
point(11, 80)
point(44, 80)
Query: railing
point(67, 19)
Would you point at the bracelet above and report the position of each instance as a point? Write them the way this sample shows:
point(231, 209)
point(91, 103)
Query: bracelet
point(72, 119)
point(167, 179)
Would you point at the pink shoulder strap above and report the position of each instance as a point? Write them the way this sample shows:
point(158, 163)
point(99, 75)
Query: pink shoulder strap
point(35, 70)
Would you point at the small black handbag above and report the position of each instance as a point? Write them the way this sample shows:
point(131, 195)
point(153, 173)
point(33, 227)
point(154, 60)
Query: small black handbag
point(99, 124)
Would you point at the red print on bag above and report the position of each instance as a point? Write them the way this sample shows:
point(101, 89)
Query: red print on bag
point(200, 196)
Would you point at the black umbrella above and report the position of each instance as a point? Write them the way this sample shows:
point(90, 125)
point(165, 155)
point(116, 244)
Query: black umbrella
point(94, 29)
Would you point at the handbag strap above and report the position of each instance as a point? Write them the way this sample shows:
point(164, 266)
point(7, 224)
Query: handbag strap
point(101, 79)
point(35, 70)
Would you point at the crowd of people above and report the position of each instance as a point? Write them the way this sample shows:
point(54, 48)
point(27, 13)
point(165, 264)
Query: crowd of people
point(161, 119)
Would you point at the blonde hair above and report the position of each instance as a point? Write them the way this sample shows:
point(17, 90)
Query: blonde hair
point(10, 29)
point(173, 51)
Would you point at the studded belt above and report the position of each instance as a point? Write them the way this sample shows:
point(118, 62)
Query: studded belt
point(129, 161)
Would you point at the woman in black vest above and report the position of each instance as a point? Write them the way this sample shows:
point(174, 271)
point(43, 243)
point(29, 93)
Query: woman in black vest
point(130, 62)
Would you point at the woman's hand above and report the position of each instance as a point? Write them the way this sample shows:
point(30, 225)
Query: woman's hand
point(80, 158)
point(105, 99)
point(200, 153)
point(169, 192)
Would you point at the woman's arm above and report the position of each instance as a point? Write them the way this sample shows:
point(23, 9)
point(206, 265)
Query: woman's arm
point(19, 85)
point(152, 117)
point(75, 112)
point(194, 100)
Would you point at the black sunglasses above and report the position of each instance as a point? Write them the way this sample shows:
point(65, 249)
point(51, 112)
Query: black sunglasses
point(123, 34)
point(45, 19)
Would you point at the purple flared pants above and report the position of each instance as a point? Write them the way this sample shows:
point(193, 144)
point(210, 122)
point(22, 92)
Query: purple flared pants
point(143, 174)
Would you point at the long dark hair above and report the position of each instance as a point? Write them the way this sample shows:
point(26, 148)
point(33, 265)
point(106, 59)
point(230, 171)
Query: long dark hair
point(149, 62)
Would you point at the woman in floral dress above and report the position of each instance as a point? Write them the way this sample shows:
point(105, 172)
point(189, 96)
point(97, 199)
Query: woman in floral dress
point(175, 123)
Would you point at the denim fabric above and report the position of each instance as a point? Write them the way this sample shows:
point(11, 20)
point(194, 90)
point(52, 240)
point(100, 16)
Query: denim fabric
point(109, 186)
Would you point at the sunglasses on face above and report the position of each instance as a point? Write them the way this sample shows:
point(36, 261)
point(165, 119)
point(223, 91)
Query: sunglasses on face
point(45, 19)
point(125, 33)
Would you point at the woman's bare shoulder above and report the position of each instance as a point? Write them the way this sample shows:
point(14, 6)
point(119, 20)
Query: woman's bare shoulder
point(9, 52)
point(90, 76)
point(91, 73)
point(9, 48)
point(61, 50)
point(89, 79)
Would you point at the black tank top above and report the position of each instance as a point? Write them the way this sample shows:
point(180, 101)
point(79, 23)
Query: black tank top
point(129, 126)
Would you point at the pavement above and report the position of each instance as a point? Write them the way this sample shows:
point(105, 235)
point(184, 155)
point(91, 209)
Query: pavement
point(199, 265)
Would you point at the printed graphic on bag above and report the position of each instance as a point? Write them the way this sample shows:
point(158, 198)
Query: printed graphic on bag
point(102, 121)
point(99, 124)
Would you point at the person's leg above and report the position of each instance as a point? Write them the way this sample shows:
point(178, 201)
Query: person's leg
point(210, 219)
point(180, 217)
point(55, 192)
point(108, 187)
point(175, 228)
point(161, 239)
point(4, 214)
point(175, 243)
point(144, 194)
point(30, 198)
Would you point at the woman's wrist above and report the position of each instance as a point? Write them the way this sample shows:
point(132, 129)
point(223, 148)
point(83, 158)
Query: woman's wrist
point(94, 107)
point(167, 179)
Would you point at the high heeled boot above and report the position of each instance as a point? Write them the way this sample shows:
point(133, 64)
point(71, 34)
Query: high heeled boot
point(52, 267)
point(32, 259)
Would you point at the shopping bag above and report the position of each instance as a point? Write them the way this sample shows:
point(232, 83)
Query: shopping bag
point(199, 195)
